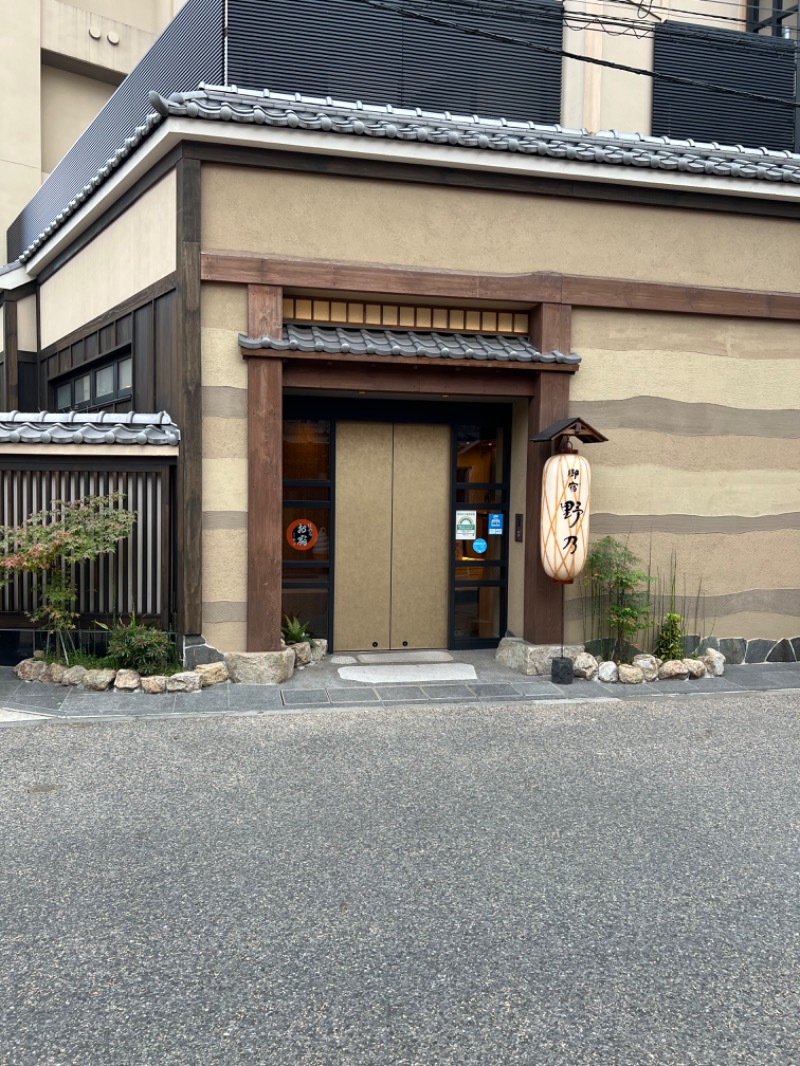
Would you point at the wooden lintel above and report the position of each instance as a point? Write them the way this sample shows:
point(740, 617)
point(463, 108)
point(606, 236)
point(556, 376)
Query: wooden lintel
point(534, 288)
point(427, 380)
point(247, 269)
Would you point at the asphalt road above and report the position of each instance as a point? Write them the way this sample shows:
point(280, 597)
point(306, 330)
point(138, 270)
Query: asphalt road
point(608, 883)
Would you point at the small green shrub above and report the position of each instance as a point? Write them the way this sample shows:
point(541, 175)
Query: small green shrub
point(135, 646)
point(296, 632)
point(669, 641)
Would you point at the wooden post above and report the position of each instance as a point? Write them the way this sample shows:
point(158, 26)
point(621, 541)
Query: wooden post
point(543, 621)
point(185, 387)
point(265, 472)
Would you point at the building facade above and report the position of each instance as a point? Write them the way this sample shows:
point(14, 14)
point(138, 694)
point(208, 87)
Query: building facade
point(358, 313)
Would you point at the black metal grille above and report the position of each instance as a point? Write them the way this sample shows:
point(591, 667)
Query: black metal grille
point(189, 51)
point(354, 52)
point(731, 59)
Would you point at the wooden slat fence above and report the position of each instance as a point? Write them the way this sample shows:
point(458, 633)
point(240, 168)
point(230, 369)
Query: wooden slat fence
point(137, 577)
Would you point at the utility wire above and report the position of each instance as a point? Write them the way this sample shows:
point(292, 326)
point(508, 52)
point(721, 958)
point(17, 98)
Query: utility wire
point(580, 21)
point(503, 38)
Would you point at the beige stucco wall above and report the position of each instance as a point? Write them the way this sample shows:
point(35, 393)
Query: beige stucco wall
point(462, 229)
point(135, 251)
point(703, 459)
point(26, 325)
point(69, 103)
point(224, 375)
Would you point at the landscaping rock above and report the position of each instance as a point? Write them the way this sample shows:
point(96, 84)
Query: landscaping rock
point(302, 653)
point(733, 648)
point(54, 672)
point(585, 666)
point(533, 660)
point(39, 653)
point(74, 676)
point(783, 652)
point(706, 643)
point(186, 681)
point(673, 670)
point(154, 684)
point(696, 667)
point(690, 643)
point(758, 650)
point(197, 653)
point(30, 669)
point(714, 662)
point(630, 674)
point(99, 680)
point(212, 673)
point(319, 649)
point(128, 680)
point(260, 667)
point(608, 671)
point(649, 665)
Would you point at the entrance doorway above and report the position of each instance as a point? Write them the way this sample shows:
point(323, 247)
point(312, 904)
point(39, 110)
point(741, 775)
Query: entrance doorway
point(392, 554)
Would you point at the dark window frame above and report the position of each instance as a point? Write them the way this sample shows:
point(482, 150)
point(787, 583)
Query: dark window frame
point(96, 401)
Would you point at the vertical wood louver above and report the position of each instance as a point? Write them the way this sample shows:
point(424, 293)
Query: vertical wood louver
point(755, 64)
point(356, 52)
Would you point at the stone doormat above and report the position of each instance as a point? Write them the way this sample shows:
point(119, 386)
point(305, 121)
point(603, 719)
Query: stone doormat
point(412, 674)
point(405, 657)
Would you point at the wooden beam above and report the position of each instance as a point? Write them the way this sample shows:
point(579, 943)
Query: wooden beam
point(248, 269)
point(543, 620)
point(567, 289)
point(265, 474)
point(684, 299)
point(186, 371)
point(418, 380)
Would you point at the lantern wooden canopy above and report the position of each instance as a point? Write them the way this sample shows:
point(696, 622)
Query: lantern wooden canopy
point(557, 435)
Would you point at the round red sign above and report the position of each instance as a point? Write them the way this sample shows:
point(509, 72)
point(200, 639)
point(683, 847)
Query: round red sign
point(302, 534)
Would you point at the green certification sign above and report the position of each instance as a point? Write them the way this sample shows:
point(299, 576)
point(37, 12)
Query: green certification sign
point(466, 525)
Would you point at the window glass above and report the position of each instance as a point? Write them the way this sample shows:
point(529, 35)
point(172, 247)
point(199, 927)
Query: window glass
point(480, 455)
point(64, 397)
point(477, 613)
point(125, 374)
point(309, 605)
point(306, 450)
point(83, 389)
point(104, 382)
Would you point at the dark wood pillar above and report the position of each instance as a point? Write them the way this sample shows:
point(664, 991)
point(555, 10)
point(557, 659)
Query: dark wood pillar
point(265, 472)
point(9, 387)
point(544, 605)
point(188, 404)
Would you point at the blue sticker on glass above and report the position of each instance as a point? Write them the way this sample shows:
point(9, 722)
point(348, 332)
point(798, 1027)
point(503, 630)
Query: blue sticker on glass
point(495, 525)
point(479, 546)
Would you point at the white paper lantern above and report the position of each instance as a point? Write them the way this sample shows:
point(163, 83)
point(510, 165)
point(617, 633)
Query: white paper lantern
point(564, 536)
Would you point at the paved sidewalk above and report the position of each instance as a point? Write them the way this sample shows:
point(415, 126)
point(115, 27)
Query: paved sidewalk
point(319, 688)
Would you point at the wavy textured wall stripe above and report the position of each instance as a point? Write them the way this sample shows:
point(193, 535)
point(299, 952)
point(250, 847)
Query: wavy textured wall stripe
point(224, 397)
point(703, 416)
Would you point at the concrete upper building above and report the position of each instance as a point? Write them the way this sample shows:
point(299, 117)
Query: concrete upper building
point(61, 63)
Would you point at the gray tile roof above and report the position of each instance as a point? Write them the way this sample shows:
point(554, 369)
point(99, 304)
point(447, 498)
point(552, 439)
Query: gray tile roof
point(480, 347)
point(78, 427)
point(354, 118)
